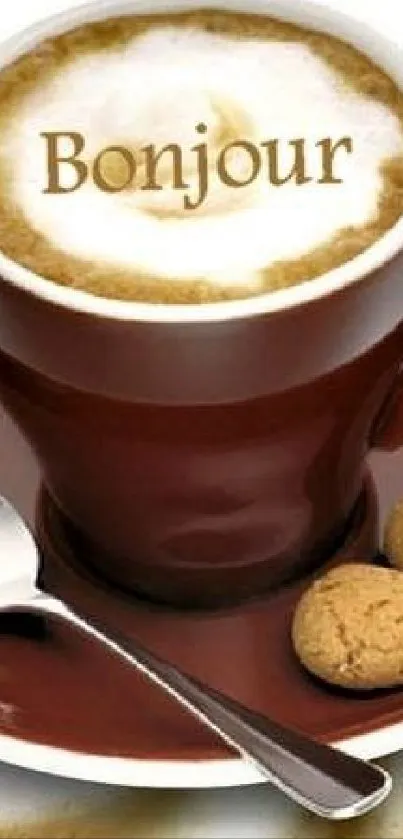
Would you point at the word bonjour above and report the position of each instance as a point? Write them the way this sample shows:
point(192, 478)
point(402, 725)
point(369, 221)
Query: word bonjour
point(262, 160)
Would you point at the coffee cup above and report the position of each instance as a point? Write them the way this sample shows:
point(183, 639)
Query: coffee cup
point(206, 453)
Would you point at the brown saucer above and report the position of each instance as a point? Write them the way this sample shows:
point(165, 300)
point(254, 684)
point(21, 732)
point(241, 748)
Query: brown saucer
point(90, 703)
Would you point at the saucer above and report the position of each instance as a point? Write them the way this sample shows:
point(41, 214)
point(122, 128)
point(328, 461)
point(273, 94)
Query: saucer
point(81, 714)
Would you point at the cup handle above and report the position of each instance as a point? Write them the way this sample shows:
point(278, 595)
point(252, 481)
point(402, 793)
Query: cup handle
point(387, 434)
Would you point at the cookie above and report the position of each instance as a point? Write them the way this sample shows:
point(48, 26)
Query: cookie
point(348, 627)
point(393, 536)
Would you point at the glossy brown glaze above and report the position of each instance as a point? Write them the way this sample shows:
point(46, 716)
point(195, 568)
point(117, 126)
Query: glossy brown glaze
point(204, 505)
point(69, 693)
point(245, 652)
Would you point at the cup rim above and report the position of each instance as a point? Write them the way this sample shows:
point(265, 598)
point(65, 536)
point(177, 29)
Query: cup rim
point(356, 270)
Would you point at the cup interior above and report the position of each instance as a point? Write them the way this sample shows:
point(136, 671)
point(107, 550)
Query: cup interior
point(383, 51)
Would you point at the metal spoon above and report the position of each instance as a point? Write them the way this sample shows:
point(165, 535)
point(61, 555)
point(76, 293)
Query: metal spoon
point(324, 780)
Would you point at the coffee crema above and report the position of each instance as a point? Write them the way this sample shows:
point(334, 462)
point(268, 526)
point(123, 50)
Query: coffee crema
point(135, 80)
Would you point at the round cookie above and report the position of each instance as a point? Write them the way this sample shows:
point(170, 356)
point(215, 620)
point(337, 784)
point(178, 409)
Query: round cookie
point(348, 627)
point(393, 536)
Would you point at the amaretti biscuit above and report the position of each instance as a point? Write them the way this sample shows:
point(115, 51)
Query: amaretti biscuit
point(348, 627)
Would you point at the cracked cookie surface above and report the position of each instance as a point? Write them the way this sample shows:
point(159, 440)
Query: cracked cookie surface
point(348, 627)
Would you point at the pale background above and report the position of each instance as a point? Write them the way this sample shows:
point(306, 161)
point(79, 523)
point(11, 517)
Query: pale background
point(38, 806)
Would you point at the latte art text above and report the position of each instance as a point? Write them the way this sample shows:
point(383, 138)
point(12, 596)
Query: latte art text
point(237, 165)
point(141, 157)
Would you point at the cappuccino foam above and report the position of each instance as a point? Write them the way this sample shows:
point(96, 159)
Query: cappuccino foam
point(242, 77)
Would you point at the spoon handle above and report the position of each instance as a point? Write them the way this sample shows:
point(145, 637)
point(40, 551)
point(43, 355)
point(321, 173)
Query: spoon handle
point(324, 780)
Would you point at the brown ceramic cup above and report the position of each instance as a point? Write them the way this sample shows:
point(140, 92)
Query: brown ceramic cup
point(206, 453)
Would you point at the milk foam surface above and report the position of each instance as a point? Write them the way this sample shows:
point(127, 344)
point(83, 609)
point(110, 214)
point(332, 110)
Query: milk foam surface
point(156, 89)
